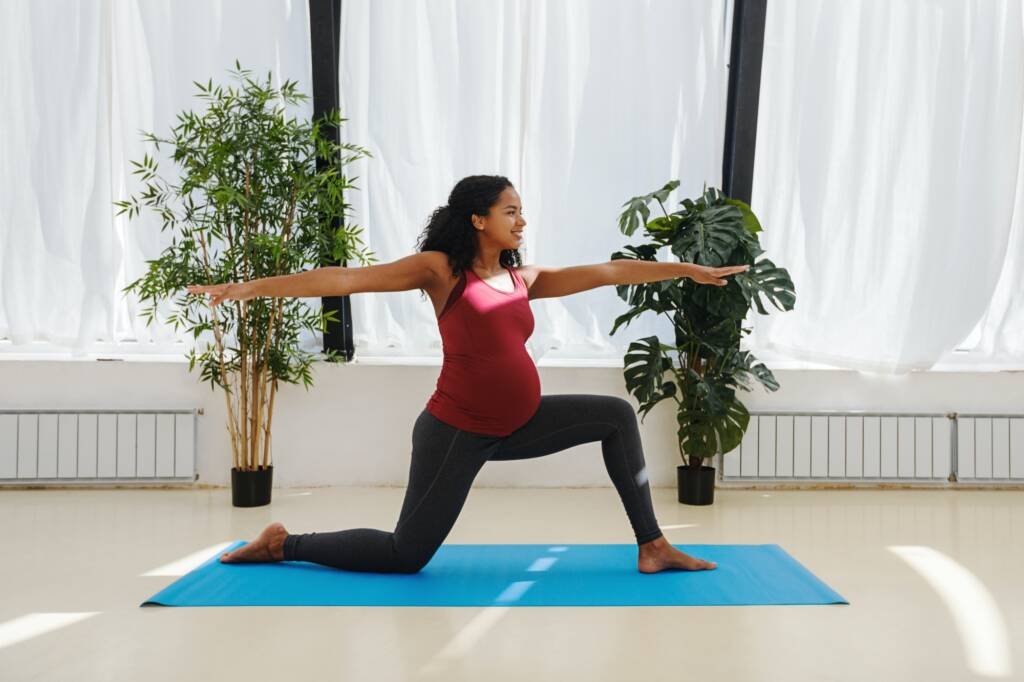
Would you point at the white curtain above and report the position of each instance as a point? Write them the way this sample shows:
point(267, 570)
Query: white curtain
point(888, 177)
point(888, 169)
point(79, 80)
point(581, 104)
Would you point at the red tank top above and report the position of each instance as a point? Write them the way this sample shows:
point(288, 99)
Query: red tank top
point(488, 382)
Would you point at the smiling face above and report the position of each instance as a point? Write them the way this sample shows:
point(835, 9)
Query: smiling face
point(503, 225)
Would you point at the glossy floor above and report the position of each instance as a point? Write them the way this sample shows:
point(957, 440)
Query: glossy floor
point(934, 578)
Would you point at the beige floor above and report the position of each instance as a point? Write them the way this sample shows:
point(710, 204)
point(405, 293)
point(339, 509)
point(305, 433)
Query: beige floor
point(953, 610)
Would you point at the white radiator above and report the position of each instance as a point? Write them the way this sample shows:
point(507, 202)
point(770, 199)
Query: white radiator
point(97, 446)
point(990, 448)
point(852, 447)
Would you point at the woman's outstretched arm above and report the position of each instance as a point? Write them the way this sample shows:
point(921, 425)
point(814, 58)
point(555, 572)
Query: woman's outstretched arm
point(417, 271)
point(550, 282)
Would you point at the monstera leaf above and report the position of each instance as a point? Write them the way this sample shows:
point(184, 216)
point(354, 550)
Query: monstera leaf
point(664, 228)
point(703, 434)
point(741, 364)
point(628, 317)
point(750, 221)
point(709, 237)
point(645, 252)
point(771, 282)
point(645, 369)
point(718, 336)
point(717, 303)
point(637, 210)
point(659, 297)
point(711, 420)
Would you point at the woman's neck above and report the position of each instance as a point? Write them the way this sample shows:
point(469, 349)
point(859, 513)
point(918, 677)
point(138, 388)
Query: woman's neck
point(490, 265)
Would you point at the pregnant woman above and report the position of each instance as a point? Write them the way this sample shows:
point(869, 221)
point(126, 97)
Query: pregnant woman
point(487, 404)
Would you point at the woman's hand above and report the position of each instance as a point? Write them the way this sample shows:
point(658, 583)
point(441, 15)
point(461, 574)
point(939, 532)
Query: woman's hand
point(232, 291)
point(701, 274)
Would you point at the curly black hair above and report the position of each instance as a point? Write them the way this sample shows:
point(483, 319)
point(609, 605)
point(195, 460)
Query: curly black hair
point(450, 229)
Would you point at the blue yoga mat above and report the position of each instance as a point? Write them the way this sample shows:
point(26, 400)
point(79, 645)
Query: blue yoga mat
point(512, 575)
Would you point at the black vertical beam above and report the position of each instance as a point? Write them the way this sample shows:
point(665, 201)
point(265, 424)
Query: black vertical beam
point(744, 91)
point(324, 29)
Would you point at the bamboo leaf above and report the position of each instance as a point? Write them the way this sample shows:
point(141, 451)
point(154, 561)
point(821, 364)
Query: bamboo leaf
point(223, 229)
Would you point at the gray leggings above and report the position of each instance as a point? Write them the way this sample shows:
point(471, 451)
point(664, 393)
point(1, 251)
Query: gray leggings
point(445, 460)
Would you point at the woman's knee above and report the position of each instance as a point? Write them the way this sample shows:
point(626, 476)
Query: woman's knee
point(411, 559)
point(411, 563)
point(410, 568)
point(620, 410)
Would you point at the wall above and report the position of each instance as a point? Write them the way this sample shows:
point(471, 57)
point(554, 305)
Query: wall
point(353, 427)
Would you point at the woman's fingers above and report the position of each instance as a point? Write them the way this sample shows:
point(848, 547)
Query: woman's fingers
point(730, 270)
point(216, 292)
point(715, 276)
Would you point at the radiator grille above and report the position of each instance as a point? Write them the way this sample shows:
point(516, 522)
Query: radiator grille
point(990, 448)
point(878, 447)
point(97, 446)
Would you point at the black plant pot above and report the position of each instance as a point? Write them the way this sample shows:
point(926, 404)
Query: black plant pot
point(251, 488)
point(696, 487)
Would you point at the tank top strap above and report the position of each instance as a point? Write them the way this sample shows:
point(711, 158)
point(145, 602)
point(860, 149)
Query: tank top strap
point(516, 278)
point(455, 294)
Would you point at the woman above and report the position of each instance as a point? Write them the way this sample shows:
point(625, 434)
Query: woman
point(487, 404)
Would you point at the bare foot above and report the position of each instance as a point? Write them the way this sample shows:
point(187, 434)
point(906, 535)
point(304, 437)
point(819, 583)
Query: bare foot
point(269, 546)
point(659, 555)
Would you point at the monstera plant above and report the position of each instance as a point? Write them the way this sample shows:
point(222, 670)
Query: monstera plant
point(704, 366)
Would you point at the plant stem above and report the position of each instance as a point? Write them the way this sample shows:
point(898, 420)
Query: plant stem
point(244, 392)
point(254, 412)
point(270, 419)
point(286, 234)
point(662, 206)
point(240, 312)
point(217, 335)
point(275, 319)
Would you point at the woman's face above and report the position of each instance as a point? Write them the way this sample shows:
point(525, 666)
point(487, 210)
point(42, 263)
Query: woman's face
point(504, 225)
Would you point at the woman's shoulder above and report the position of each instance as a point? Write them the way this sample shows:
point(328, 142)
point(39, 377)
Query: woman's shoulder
point(528, 273)
point(436, 258)
point(440, 264)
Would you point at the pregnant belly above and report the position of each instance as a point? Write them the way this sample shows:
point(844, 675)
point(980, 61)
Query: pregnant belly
point(490, 397)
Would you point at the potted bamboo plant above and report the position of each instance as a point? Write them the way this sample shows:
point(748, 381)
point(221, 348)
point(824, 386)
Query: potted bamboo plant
point(256, 194)
point(704, 364)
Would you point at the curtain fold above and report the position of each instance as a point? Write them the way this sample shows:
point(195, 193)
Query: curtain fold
point(888, 179)
point(888, 172)
point(582, 105)
point(80, 80)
